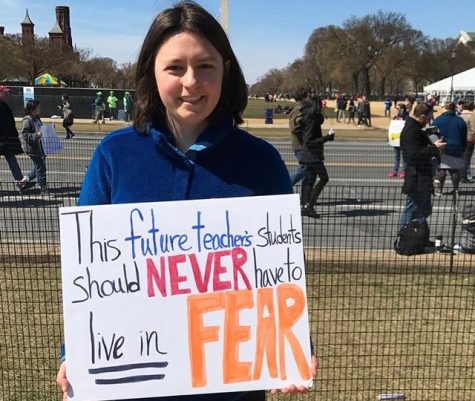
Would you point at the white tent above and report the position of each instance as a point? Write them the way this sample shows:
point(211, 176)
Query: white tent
point(462, 83)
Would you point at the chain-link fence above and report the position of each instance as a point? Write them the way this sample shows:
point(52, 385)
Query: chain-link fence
point(381, 323)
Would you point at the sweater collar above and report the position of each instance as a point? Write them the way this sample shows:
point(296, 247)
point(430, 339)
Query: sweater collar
point(208, 139)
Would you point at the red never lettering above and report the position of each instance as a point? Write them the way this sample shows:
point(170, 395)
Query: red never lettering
point(168, 280)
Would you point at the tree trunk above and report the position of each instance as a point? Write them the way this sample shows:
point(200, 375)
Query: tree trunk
point(356, 82)
point(382, 87)
point(366, 83)
point(330, 88)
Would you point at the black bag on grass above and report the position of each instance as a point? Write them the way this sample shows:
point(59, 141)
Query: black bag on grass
point(412, 239)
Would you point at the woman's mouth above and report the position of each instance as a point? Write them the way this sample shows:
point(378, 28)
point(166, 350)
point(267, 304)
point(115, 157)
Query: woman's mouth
point(190, 99)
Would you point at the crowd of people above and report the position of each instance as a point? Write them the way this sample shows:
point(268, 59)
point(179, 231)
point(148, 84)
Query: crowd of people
point(30, 142)
point(349, 107)
point(456, 125)
point(102, 105)
point(430, 149)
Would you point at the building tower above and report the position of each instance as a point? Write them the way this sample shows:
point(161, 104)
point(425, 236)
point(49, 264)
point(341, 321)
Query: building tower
point(2, 31)
point(27, 30)
point(224, 15)
point(56, 35)
point(62, 16)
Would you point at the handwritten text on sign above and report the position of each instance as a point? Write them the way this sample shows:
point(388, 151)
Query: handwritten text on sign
point(184, 297)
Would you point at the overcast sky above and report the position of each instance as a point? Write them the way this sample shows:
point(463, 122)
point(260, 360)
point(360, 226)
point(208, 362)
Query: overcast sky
point(265, 34)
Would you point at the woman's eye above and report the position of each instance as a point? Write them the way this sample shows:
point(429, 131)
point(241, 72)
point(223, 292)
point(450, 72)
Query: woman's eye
point(206, 66)
point(174, 68)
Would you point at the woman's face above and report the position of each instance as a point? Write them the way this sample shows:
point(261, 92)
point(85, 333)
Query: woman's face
point(189, 74)
point(37, 111)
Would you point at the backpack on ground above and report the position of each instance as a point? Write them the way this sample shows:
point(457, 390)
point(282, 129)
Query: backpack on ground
point(412, 239)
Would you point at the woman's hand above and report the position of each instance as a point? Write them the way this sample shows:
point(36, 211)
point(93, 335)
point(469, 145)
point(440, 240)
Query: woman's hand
point(440, 144)
point(62, 381)
point(293, 389)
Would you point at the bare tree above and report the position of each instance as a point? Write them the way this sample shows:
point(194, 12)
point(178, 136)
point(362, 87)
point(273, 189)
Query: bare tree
point(295, 77)
point(321, 60)
point(41, 56)
point(101, 72)
point(270, 83)
point(126, 75)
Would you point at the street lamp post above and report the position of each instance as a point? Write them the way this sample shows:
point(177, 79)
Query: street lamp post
point(452, 57)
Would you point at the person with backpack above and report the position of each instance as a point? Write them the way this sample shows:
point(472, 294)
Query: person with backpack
point(420, 156)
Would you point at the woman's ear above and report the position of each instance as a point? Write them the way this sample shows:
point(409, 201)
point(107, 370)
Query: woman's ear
point(227, 66)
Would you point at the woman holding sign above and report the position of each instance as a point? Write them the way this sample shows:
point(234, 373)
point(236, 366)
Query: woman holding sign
point(395, 129)
point(185, 142)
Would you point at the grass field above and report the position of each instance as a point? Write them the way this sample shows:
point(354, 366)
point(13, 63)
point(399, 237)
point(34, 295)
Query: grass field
point(386, 333)
point(375, 332)
point(256, 109)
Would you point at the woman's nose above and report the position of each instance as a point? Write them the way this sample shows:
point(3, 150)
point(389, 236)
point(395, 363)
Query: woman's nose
point(190, 78)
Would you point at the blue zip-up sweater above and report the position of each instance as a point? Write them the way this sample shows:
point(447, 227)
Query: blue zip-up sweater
point(454, 129)
point(225, 162)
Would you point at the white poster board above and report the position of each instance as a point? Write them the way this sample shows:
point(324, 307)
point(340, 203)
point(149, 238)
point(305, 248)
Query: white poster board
point(394, 132)
point(184, 297)
point(50, 140)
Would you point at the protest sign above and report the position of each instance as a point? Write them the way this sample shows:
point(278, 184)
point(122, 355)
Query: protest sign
point(50, 140)
point(394, 132)
point(184, 297)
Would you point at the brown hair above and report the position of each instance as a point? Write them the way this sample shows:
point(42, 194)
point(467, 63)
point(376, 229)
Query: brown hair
point(421, 109)
point(450, 106)
point(468, 106)
point(31, 106)
point(186, 16)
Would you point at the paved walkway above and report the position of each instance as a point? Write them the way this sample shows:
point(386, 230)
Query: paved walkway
point(379, 129)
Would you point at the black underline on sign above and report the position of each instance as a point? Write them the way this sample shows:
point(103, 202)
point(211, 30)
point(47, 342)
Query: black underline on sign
point(121, 368)
point(132, 379)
